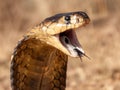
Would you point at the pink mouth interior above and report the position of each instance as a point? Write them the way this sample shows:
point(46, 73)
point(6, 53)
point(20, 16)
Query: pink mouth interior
point(71, 36)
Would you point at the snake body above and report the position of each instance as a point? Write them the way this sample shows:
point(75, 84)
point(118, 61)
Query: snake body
point(39, 61)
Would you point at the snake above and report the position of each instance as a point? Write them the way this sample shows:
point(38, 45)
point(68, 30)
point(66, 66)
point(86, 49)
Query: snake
point(39, 61)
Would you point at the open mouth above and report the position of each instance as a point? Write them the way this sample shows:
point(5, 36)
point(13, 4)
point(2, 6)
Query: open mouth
point(62, 28)
point(69, 40)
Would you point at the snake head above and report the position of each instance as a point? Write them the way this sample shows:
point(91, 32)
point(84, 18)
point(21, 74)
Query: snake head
point(59, 32)
point(64, 21)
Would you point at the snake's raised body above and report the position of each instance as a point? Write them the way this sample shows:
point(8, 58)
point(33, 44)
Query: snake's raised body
point(39, 61)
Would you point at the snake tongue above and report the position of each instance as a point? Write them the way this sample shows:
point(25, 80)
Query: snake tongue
point(70, 41)
point(81, 53)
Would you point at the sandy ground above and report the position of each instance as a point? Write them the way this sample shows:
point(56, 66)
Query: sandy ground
point(100, 40)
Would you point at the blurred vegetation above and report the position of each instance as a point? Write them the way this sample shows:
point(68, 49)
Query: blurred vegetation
point(100, 39)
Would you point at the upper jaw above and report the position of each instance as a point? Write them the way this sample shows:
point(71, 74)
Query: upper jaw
point(57, 24)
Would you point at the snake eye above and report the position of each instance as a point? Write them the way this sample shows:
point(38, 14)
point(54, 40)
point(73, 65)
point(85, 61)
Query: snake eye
point(67, 18)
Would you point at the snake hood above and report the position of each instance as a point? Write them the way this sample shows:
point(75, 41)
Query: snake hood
point(59, 32)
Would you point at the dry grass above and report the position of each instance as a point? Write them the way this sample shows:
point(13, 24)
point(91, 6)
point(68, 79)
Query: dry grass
point(100, 39)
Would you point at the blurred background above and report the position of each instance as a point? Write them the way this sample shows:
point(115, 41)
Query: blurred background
point(100, 39)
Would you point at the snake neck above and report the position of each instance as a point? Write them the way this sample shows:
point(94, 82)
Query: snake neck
point(38, 66)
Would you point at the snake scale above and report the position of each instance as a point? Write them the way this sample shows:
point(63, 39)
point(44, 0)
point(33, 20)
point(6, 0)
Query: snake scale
point(39, 61)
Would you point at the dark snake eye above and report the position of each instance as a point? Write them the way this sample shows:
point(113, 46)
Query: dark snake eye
point(67, 18)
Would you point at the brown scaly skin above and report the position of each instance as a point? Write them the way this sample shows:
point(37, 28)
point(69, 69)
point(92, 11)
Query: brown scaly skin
point(36, 69)
point(39, 61)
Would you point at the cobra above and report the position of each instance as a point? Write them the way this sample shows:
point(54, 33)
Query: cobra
point(39, 61)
